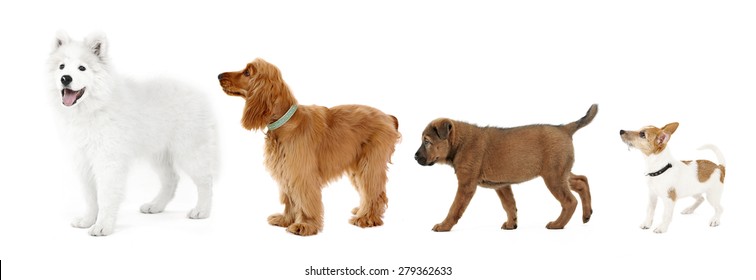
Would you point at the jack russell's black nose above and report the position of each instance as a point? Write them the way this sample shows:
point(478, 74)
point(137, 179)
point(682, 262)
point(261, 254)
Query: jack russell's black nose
point(622, 132)
point(66, 80)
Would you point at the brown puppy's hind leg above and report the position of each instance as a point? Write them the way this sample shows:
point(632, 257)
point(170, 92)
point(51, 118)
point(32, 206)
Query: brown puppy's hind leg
point(560, 188)
point(579, 184)
point(508, 202)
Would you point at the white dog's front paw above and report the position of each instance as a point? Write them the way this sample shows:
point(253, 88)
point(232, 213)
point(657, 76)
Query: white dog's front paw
point(688, 211)
point(83, 222)
point(660, 230)
point(101, 230)
point(645, 226)
point(197, 213)
point(149, 208)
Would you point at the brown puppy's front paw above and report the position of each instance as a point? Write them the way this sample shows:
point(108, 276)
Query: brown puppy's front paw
point(302, 229)
point(355, 210)
point(587, 217)
point(509, 226)
point(553, 225)
point(441, 228)
point(366, 221)
point(279, 220)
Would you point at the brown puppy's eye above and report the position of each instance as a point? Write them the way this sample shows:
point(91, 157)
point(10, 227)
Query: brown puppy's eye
point(246, 73)
point(426, 143)
point(642, 134)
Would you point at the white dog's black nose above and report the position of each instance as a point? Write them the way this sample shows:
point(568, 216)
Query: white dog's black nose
point(65, 80)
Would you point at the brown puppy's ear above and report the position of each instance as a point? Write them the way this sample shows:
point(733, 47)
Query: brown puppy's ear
point(443, 129)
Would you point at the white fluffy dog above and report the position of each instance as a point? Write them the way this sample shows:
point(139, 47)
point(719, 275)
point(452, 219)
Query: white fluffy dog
point(111, 121)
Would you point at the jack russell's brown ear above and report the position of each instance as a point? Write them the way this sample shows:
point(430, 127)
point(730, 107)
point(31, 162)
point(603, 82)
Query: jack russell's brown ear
point(666, 132)
point(443, 129)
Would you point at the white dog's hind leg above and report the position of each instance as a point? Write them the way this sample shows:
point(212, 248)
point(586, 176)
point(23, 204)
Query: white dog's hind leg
point(699, 199)
point(714, 195)
point(111, 180)
point(649, 211)
point(669, 206)
point(169, 181)
point(204, 197)
point(90, 199)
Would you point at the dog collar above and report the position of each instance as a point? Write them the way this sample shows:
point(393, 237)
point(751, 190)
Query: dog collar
point(285, 118)
point(660, 171)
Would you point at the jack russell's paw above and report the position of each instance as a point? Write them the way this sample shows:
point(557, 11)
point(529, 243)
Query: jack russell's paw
point(645, 225)
point(714, 223)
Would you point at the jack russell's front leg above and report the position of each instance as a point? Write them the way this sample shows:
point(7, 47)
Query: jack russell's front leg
point(669, 207)
point(652, 198)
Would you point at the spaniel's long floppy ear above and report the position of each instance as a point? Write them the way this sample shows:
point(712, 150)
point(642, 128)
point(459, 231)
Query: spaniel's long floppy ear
point(443, 129)
point(256, 111)
point(61, 38)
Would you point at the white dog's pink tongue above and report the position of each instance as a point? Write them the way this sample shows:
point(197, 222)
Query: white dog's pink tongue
point(69, 97)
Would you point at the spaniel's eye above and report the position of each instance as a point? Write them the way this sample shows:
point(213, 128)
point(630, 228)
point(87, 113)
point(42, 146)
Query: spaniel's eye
point(642, 134)
point(82, 68)
point(62, 66)
point(246, 73)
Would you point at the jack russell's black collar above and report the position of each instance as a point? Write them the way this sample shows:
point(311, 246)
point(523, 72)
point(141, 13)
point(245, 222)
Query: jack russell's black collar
point(660, 171)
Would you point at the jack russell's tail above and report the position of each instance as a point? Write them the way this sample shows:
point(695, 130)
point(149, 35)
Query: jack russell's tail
point(720, 157)
point(572, 127)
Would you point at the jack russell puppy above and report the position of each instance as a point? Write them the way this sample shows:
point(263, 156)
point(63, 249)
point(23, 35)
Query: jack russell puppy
point(672, 179)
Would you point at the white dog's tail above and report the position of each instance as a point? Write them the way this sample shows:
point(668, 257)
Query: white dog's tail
point(716, 151)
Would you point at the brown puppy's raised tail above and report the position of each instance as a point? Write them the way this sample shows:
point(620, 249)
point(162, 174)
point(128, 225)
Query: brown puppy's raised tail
point(572, 127)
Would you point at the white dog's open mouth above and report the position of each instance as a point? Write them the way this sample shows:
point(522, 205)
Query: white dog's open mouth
point(71, 96)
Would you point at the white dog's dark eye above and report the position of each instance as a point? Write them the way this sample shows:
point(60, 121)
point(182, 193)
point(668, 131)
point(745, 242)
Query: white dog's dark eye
point(246, 73)
point(642, 134)
point(62, 66)
point(82, 68)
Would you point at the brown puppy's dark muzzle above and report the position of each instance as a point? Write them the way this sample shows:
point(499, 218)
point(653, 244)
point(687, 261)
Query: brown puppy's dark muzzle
point(421, 158)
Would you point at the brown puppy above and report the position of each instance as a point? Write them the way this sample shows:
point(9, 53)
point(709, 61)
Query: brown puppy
point(306, 147)
point(499, 157)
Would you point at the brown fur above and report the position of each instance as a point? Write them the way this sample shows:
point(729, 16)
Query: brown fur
point(500, 157)
point(706, 168)
point(316, 146)
point(672, 194)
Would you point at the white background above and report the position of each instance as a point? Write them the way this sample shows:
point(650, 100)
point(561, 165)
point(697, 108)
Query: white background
point(502, 63)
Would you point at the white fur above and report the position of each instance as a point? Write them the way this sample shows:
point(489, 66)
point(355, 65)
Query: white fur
point(118, 120)
point(684, 179)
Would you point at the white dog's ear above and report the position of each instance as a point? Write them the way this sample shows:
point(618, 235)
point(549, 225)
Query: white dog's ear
point(98, 44)
point(61, 38)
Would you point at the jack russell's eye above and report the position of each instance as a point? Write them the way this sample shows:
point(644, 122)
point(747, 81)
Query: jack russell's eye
point(642, 134)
